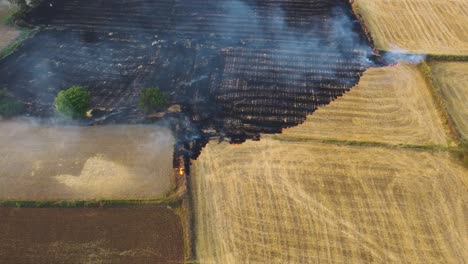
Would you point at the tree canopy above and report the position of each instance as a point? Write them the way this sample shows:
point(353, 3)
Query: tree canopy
point(152, 99)
point(72, 103)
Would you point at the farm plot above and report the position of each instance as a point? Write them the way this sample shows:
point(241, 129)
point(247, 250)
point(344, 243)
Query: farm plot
point(429, 26)
point(390, 105)
point(141, 234)
point(452, 79)
point(239, 67)
point(41, 162)
point(7, 33)
point(293, 202)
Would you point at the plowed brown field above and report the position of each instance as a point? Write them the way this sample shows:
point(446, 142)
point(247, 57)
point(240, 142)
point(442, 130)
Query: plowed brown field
point(428, 26)
point(141, 234)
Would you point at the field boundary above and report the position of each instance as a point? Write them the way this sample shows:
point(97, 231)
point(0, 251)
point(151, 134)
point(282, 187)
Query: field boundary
point(439, 101)
point(446, 58)
point(360, 143)
point(362, 22)
point(18, 42)
point(166, 201)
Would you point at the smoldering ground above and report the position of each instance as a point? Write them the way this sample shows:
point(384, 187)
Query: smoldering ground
point(239, 67)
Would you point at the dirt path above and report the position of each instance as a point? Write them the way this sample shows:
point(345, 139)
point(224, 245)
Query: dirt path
point(7, 33)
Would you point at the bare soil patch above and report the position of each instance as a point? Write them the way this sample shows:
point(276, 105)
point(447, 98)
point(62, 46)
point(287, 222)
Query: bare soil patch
point(7, 33)
point(43, 162)
point(142, 234)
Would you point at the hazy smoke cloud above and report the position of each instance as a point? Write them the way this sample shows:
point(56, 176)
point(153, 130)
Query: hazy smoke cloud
point(396, 55)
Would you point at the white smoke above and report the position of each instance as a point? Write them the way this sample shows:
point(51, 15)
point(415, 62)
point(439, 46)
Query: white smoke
point(397, 54)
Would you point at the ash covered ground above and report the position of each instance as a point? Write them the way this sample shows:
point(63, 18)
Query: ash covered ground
point(237, 67)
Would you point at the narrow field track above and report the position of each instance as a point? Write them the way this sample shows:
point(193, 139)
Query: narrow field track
point(390, 105)
point(452, 79)
point(429, 26)
point(7, 33)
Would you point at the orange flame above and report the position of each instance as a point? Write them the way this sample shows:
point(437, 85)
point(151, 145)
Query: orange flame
point(181, 171)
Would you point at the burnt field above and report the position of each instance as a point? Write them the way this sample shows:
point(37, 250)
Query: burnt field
point(239, 67)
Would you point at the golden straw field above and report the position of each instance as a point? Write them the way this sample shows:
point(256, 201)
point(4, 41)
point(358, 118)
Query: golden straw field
point(390, 105)
point(337, 189)
point(84, 163)
point(293, 202)
point(429, 26)
point(452, 79)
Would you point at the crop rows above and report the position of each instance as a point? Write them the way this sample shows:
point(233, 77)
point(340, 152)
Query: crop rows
point(304, 202)
point(241, 67)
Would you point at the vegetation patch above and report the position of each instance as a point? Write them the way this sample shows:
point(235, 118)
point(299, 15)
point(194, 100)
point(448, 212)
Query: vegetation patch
point(72, 103)
point(9, 106)
point(18, 42)
point(152, 99)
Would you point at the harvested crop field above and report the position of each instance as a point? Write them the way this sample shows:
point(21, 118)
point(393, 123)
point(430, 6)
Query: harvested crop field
point(239, 67)
point(429, 26)
point(452, 79)
point(7, 33)
point(390, 105)
point(293, 202)
point(142, 234)
point(44, 162)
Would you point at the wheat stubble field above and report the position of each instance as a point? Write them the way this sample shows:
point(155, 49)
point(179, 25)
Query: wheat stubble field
point(390, 105)
point(296, 198)
point(429, 26)
point(452, 80)
point(290, 202)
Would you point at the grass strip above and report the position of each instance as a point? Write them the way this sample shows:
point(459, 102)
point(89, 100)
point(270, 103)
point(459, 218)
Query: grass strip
point(10, 49)
point(166, 201)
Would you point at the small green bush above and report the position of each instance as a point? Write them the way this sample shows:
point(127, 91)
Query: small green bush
point(152, 100)
point(9, 107)
point(72, 103)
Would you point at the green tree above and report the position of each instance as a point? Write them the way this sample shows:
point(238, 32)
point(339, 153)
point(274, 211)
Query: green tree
point(152, 99)
point(9, 106)
point(72, 103)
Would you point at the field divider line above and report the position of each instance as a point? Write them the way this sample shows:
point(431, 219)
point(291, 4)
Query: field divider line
point(363, 143)
point(165, 201)
point(439, 101)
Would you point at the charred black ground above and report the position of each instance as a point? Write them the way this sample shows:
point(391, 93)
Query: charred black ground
point(238, 67)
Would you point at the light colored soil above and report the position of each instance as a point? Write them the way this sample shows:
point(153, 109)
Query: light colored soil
point(428, 26)
point(452, 79)
point(7, 34)
point(389, 105)
point(303, 202)
point(82, 163)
